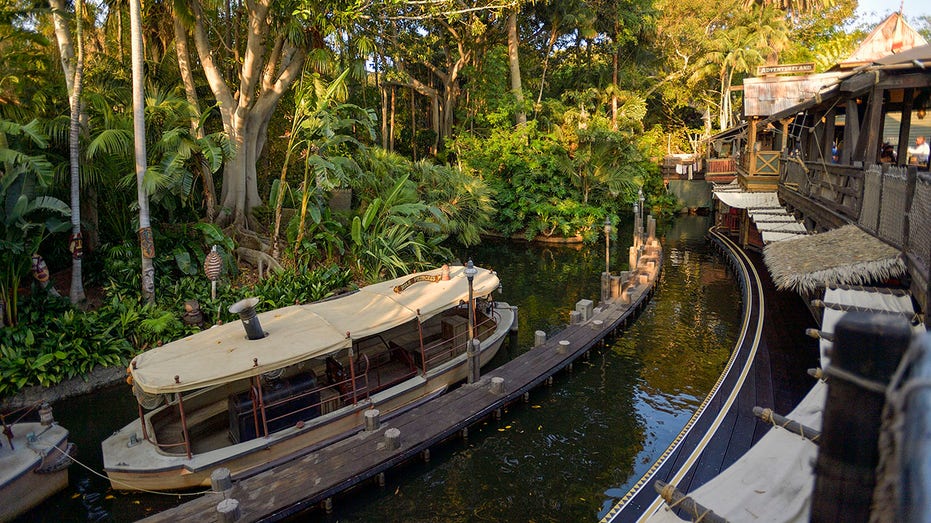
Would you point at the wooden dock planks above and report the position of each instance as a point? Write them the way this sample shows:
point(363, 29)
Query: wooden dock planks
point(299, 484)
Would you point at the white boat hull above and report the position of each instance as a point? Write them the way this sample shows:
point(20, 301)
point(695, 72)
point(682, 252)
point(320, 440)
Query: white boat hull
point(32, 471)
point(133, 463)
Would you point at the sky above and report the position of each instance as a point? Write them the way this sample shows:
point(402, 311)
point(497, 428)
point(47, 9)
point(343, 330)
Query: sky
point(874, 11)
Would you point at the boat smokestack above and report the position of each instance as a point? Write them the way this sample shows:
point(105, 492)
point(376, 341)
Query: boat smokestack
point(246, 311)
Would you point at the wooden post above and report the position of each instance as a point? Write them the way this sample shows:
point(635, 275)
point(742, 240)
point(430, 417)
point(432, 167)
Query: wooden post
point(497, 385)
point(575, 317)
point(220, 480)
point(228, 511)
point(563, 347)
point(372, 419)
point(868, 348)
point(916, 456)
point(392, 439)
point(539, 338)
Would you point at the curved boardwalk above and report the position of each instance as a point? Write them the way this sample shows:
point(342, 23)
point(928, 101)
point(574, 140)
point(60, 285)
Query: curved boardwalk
point(766, 368)
point(307, 480)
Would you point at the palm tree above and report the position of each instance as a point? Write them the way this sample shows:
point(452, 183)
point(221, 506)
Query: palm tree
point(77, 249)
point(146, 240)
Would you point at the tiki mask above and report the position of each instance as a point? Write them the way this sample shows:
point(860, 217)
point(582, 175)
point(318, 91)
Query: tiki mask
point(39, 268)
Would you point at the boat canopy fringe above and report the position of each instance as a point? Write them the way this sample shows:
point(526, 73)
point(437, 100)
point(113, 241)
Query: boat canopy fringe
point(846, 255)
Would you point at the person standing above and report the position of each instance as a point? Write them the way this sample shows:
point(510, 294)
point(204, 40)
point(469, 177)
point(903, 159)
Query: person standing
point(919, 153)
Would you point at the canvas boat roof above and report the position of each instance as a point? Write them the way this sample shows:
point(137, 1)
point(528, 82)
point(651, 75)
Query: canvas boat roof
point(300, 332)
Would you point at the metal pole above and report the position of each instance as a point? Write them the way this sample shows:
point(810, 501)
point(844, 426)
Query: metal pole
point(608, 244)
point(470, 350)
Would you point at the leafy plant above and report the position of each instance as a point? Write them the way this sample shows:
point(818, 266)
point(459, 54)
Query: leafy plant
point(27, 215)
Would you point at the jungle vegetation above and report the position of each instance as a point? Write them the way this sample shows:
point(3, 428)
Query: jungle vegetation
point(323, 144)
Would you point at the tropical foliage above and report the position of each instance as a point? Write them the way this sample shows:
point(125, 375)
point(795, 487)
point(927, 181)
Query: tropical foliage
point(434, 123)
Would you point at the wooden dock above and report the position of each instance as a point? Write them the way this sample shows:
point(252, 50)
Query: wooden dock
point(766, 368)
point(316, 477)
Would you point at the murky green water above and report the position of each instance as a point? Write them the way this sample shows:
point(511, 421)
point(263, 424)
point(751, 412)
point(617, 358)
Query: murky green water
point(564, 456)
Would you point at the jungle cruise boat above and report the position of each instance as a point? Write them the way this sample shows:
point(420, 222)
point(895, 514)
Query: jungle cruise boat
point(34, 461)
point(301, 377)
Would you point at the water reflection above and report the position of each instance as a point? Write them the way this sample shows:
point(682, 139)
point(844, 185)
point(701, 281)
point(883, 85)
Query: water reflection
point(579, 445)
point(564, 456)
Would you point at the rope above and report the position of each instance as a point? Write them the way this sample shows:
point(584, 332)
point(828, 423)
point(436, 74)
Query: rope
point(870, 385)
point(98, 474)
point(886, 494)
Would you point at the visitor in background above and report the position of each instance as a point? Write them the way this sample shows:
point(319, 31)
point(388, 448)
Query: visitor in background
point(919, 153)
point(888, 154)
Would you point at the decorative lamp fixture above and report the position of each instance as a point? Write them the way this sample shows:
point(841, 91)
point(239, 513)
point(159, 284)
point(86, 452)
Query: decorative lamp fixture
point(213, 263)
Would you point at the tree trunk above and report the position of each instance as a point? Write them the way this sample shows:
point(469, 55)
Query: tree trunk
point(413, 126)
point(546, 60)
point(266, 74)
point(190, 92)
point(74, 137)
point(391, 127)
point(514, 63)
point(73, 68)
point(614, 66)
point(146, 243)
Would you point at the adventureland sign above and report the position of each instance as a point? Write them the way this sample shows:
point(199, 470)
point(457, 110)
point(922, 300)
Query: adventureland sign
point(785, 69)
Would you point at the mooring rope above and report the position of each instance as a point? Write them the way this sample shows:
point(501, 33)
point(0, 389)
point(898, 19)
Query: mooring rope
point(98, 474)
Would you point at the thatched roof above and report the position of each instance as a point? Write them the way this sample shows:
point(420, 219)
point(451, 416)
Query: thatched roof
point(846, 255)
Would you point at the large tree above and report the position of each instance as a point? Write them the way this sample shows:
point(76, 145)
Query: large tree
point(248, 86)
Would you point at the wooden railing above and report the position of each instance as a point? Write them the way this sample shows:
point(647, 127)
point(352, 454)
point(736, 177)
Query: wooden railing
point(891, 203)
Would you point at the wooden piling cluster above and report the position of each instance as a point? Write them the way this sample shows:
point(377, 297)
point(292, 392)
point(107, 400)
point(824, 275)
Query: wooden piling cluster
point(315, 478)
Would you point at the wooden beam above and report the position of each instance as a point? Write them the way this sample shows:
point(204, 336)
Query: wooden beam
point(905, 125)
point(872, 128)
point(851, 130)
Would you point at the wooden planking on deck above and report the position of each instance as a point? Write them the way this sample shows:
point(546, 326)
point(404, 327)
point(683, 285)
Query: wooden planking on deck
point(299, 484)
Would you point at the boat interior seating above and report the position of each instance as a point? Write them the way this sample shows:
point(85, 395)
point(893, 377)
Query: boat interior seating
point(287, 401)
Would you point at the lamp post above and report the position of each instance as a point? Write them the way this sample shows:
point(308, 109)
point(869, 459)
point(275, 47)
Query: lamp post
point(470, 350)
point(640, 199)
point(607, 244)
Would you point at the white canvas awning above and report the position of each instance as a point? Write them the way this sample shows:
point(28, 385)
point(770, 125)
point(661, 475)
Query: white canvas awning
point(773, 236)
point(748, 200)
point(840, 299)
point(300, 332)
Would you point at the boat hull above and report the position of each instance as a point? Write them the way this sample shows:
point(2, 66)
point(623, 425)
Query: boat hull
point(31, 472)
point(132, 463)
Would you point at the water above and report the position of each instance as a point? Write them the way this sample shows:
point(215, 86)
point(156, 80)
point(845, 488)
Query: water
point(569, 453)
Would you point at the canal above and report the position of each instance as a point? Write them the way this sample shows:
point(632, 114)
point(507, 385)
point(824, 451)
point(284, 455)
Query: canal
point(566, 455)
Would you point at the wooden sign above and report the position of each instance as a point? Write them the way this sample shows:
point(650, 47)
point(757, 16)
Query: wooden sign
point(415, 279)
point(785, 69)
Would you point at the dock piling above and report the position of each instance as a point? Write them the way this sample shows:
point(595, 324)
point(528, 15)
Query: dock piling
point(220, 480)
point(372, 419)
point(575, 318)
point(497, 385)
point(393, 439)
point(563, 347)
point(228, 511)
point(539, 338)
point(867, 350)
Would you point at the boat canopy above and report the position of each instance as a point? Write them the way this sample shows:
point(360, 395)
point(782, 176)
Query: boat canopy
point(300, 332)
